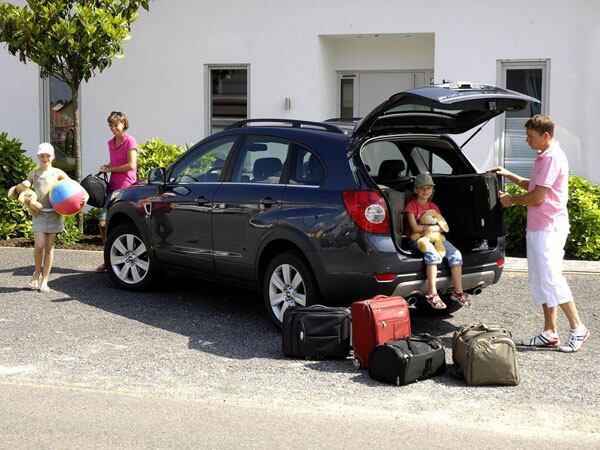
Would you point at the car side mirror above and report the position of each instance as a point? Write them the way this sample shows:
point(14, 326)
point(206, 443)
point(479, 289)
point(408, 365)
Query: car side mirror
point(156, 176)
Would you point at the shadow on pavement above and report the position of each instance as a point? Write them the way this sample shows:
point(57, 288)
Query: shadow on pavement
point(218, 319)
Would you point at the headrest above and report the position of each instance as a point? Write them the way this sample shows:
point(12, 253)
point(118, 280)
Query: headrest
point(266, 167)
point(391, 168)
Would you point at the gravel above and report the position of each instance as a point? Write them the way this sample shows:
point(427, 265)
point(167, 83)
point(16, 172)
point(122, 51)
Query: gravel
point(199, 341)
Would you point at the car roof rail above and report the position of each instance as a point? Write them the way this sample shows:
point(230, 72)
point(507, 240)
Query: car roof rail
point(320, 126)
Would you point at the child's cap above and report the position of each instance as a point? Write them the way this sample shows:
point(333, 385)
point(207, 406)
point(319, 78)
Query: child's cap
point(45, 148)
point(424, 179)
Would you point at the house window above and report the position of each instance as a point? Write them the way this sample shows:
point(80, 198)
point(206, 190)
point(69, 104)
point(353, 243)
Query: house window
point(228, 96)
point(57, 122)
point(530, 78)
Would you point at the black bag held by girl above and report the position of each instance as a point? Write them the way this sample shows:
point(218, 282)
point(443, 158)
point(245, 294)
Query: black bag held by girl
point(95, 186)
point(404, 361)
point(316, 332)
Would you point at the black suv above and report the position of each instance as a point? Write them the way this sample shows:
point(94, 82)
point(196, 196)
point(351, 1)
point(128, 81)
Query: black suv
point(312, 211)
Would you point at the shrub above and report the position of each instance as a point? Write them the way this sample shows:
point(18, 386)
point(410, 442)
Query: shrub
point(14, 221)
point(14, 164)
point(90, 221)
point(14, 167)
point(155, 153)
point(516, 222)
point(72, 234)
point(584, 217)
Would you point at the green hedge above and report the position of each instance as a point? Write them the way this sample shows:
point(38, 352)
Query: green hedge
point(155, 153)
point(14, 167)
point(584, 217)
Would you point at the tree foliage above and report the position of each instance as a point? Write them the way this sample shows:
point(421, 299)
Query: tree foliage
point(71, 40)
point(68, 39)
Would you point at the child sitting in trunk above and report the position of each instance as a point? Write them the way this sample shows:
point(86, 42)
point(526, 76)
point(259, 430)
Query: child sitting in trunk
point(414, 209)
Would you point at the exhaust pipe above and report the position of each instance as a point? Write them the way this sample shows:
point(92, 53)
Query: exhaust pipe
point(476, 291)
point(411, 300)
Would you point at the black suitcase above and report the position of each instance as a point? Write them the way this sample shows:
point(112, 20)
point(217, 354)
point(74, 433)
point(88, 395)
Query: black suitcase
point(404, 361)
point(316, 332)
point(95, 186)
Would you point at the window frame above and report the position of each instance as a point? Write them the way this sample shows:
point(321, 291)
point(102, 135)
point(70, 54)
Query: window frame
point(208, 91)
point(294, 148)
point(502, 66)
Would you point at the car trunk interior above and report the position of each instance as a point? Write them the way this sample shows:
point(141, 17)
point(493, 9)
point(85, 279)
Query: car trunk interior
point(468, 200)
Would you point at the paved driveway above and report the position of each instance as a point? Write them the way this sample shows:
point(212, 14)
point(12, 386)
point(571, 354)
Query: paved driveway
point(195, 363)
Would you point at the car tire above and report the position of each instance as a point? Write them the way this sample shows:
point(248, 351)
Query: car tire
point(288, 281)
point(128, 262)
point(425, 308)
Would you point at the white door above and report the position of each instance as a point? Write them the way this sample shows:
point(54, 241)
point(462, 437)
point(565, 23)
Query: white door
point(360, 92)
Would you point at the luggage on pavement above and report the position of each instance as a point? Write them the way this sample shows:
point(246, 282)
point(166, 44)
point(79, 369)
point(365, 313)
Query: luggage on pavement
point(95, 186)
point(404, 361)
point(375, 321)
point(485, 354)
point(316, 332)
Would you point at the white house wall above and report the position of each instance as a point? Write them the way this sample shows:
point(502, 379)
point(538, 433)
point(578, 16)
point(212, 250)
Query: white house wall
point(295, 48)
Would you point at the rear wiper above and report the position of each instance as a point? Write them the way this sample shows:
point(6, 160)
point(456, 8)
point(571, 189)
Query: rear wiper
point(473, 135)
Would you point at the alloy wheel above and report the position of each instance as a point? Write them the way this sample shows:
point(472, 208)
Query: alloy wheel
point(129, 259)
point(286, 288)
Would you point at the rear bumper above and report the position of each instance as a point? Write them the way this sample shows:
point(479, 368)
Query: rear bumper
point(349, 284)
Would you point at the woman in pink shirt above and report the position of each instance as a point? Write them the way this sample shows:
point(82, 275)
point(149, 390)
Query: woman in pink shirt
point(122, 149)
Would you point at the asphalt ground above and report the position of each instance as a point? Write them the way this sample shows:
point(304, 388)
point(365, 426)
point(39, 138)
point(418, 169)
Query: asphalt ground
point(194, 364)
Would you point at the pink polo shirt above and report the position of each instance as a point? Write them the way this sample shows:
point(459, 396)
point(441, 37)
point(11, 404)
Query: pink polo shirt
point(550, 169)
point(118, 157)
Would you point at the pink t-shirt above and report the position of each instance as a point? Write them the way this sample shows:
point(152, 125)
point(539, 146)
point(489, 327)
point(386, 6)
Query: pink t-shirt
point(415, 208)
point(118, 157)
point(550, 169)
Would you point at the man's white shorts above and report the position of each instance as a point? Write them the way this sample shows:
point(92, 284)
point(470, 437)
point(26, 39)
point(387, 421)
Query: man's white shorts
point(545, 252)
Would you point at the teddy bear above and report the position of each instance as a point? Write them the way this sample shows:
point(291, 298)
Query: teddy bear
point(432, 217)
point(22, 190)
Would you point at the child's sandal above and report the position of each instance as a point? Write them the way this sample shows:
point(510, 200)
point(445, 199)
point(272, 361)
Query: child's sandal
point(435, 301)
point(462, 298)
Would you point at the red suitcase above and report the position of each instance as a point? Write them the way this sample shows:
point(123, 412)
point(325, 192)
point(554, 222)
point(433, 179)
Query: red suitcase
point(376, 321)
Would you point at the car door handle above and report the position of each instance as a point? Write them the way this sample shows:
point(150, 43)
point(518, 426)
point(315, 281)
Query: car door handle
point(267, 202)
point(202, 200)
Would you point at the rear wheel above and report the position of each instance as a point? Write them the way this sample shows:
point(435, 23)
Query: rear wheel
point(288, 282)
point(127, 260)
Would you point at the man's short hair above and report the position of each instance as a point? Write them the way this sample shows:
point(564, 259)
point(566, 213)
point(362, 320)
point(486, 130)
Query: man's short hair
point(541, 123)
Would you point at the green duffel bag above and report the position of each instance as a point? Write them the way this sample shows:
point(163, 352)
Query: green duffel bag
point(485, 354)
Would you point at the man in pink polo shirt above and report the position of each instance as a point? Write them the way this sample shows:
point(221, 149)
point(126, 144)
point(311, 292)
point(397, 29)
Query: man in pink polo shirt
point(547, 231)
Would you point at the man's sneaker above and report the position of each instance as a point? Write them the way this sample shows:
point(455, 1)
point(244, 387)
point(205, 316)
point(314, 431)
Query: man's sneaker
point(576, 340)
point(542, 339)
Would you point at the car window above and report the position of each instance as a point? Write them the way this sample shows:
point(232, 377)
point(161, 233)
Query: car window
point(428, 161)
point(307, 168)
point(383, 160)
point(203, 165)
point(261, 160)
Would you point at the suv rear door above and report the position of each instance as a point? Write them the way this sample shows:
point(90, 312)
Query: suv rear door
point(248, 204)
point(451, 108)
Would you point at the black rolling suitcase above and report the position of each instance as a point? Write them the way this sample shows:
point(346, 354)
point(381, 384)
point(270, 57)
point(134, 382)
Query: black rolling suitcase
point(316, 332)
point(95, 186)
point(404, 361)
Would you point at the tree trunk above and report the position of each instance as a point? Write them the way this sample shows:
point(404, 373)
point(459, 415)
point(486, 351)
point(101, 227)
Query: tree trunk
point(77, 144)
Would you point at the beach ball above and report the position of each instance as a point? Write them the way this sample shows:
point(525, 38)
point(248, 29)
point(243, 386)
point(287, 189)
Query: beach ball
point(66, 197)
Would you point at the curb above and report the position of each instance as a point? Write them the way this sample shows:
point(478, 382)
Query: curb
point(512, 264)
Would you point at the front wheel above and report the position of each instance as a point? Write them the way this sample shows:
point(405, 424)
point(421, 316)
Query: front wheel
point(288, 281)
point(127, 260)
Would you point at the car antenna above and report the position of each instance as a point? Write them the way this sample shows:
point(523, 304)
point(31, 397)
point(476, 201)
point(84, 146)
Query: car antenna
point(473, 135)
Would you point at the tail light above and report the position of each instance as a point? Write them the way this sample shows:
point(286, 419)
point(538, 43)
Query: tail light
point(368, 210)
point(500, 262)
